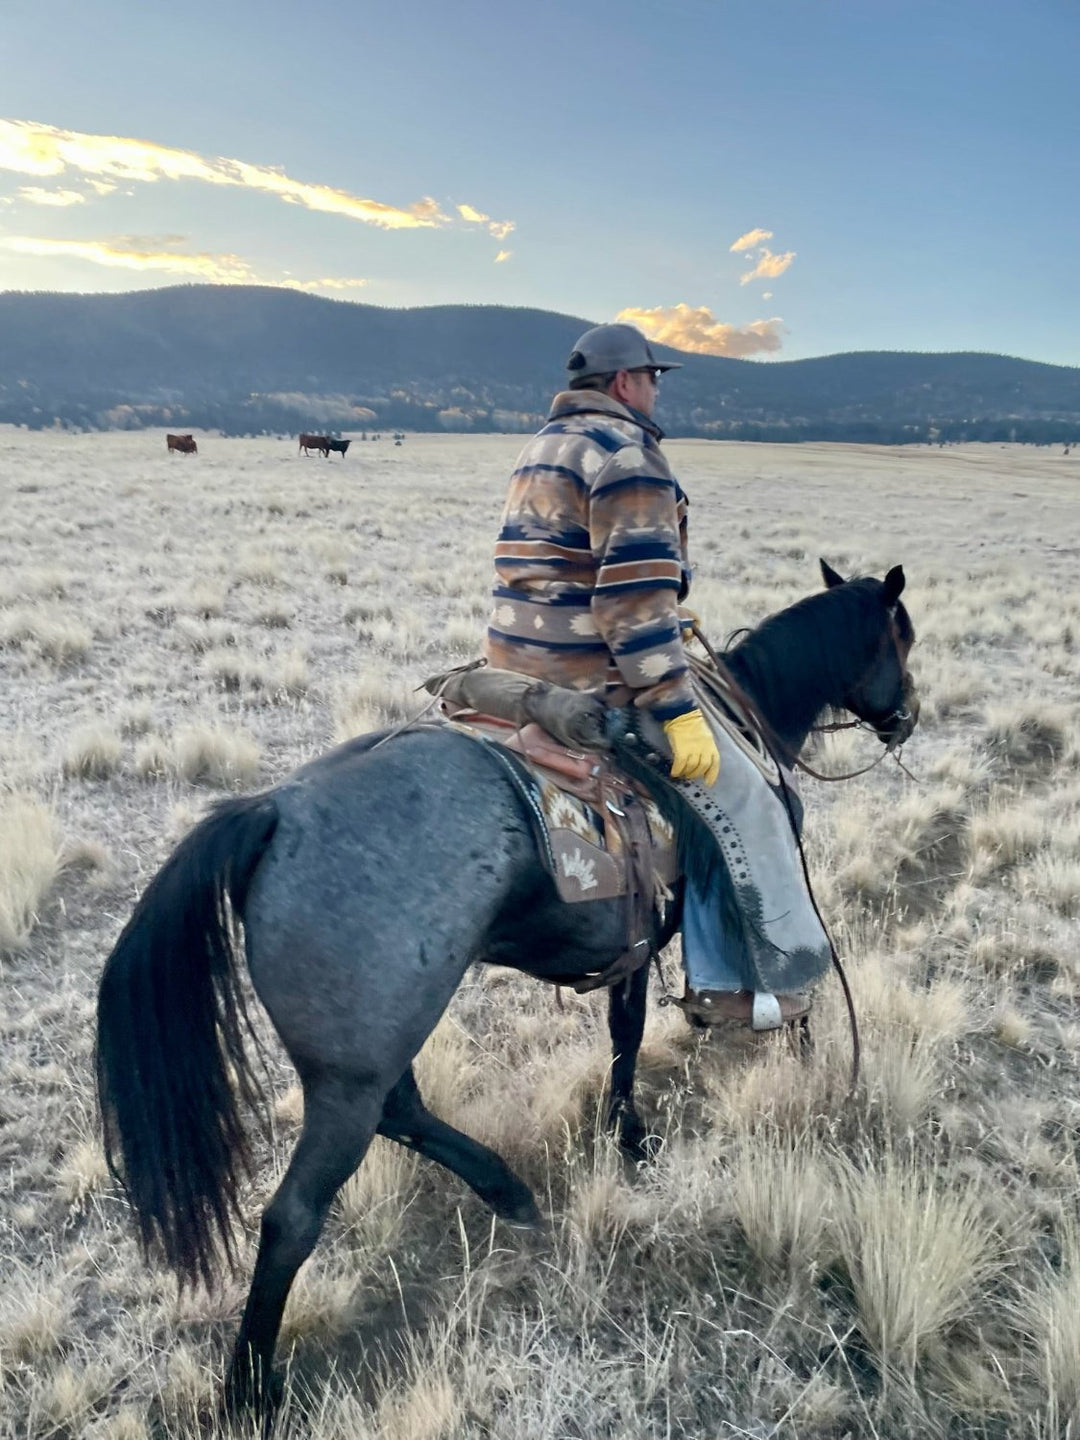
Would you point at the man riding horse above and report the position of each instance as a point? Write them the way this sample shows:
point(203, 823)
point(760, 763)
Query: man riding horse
point(591, 567)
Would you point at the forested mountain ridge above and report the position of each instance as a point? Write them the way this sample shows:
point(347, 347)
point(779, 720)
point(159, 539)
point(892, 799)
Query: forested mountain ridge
point(247, 359)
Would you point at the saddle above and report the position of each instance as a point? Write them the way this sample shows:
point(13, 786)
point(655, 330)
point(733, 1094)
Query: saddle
point(601, 834)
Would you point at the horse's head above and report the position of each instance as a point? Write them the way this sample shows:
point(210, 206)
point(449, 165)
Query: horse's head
point(884, 693)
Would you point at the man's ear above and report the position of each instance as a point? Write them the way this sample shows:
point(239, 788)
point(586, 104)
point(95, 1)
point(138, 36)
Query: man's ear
point(892, 586)
point(829, 575)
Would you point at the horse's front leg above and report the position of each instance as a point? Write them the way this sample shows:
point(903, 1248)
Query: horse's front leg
point(626, 1021)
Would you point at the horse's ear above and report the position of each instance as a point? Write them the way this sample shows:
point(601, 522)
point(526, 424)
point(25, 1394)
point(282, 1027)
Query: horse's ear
point(829, 575)
point(892, 586)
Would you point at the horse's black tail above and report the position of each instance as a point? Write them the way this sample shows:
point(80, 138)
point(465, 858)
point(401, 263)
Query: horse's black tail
point(171, 1023)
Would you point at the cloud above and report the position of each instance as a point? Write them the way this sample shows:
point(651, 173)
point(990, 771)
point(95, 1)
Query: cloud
point(750, 239)
point(147, 242)
point(121, 255)
point(341, 282)
point(35, 195)
point(696, 329)
point(497, 228)
point(503, 255)
point(766, 295)
point(46, 151)
point(161, 254)
point(768, 267)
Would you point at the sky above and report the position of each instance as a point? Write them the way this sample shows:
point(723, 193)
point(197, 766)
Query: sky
point(771, 181)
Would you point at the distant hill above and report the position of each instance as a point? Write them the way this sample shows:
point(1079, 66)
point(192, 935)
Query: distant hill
point(248, 359)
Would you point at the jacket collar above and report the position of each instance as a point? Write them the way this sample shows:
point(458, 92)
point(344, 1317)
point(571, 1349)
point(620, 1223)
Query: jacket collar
point(599, 402)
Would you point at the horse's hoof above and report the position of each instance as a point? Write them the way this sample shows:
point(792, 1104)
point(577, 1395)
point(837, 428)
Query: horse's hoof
point(245, 1400)
point(640, 1146)
point(633, 1140)
point(650, 1147)
point(520, 1211)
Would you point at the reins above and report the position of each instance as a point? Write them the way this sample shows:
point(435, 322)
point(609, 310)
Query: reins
point(848, 774)
point(770, 740)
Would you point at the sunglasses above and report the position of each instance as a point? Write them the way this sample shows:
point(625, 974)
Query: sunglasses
point(653, 374)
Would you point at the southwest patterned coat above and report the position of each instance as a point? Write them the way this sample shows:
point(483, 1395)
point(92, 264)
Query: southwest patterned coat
point(591, 560)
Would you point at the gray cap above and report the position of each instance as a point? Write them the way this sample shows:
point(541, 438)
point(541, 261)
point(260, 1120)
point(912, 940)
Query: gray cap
point(607, 348)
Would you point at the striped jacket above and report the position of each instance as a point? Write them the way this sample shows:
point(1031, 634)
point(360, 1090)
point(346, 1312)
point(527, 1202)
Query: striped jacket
point(591, 559)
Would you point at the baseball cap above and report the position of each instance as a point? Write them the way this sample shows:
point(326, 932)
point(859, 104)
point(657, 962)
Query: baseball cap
point(607, 348)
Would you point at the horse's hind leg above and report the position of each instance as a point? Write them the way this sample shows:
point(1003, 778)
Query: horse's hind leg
point(340, 1116)
point(407, 1120)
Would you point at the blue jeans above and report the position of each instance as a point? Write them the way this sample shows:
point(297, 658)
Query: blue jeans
point(711, 952)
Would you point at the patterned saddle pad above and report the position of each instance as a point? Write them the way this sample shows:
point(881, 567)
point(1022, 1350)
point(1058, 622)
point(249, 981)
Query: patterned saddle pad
point(582, 839)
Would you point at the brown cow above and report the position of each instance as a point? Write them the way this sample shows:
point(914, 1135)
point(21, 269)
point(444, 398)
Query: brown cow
point(185, 444)
point(315, 442)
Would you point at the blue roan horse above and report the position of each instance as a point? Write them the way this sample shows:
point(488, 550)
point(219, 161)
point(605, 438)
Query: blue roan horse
point(360, 917)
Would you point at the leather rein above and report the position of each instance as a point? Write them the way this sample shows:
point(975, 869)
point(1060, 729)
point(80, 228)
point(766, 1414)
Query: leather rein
point(769, 739)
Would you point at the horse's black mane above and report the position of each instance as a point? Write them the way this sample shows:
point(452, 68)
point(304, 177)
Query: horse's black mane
point(794, 665)
point(808, 651)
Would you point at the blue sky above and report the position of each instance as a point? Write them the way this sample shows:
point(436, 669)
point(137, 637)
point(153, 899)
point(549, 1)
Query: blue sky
point(902, 175)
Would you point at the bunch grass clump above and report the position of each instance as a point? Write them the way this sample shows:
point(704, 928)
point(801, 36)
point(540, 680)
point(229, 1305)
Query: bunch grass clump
point(215, 755)
point(29, 865)
point(92, 753)
point(917, 1249)
point(51, 634)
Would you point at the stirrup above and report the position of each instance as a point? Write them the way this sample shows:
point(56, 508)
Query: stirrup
point(765, 1014)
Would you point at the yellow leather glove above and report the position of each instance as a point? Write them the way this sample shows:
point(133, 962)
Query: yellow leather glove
point(694, 755)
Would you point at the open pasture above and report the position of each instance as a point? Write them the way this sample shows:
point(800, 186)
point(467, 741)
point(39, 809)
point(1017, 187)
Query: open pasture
point(798, 1261)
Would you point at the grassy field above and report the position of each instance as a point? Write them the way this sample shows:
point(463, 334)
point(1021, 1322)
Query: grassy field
point(798, 1261)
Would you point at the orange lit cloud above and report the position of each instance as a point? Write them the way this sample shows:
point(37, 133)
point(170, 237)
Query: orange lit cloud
point(497, 228)
point(161, 254)
point(342, 282)
point(750, 239)
point(503, 255)
point(35, 195)
point(103, 161)
point(768, 267)
point(123, 255)
point(685, 327)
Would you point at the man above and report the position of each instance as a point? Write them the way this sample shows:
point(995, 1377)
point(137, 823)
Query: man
point(591, 564)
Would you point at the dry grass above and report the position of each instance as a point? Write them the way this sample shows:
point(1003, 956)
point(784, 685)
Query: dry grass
point(29, 864)
point(798, 1261)
point(212, 755)
point(92, 753)
point(49, 633)
point(916, 1250)
point(35, 1313)
point(787, 1202)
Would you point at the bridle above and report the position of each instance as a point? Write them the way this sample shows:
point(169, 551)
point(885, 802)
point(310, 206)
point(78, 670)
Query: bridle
point(899, 716)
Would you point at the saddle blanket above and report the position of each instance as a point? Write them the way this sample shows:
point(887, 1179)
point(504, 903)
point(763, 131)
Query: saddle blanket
point(581, 840)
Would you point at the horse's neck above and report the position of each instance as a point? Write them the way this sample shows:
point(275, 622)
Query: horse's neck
point(790, 696)
point(789, 727)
